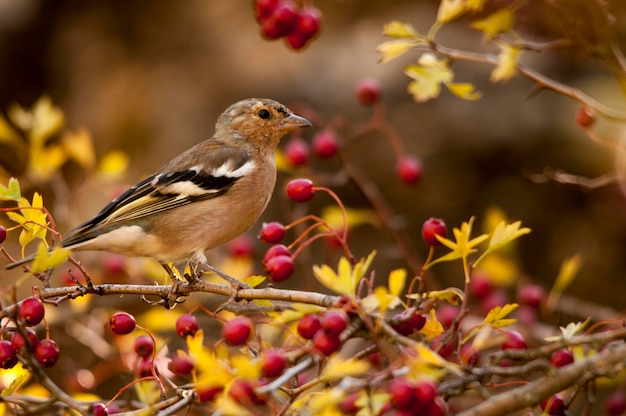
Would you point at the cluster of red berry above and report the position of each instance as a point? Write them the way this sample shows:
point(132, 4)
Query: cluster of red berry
point(324, 331)
point(31, 312)
point(284, 19)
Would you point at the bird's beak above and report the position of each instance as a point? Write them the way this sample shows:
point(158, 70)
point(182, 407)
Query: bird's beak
point(293, 122)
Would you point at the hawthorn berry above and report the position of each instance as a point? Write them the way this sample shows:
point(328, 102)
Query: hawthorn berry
point(615, 403)
point(300, 190)
point(122, 323)
point(279, 268)
point(402, 393)
point(297, 152)
point(325, 144)
point(275, 251)
point(407, 325)
point(409, 169)
point(368, 92)
point(3, 234)
point(480, 286)
point(272, 232)
point(348, 405)
point(241, 246)
point(273, 363)
point(47, 352)
point(446, 314)
point(143, 368)
point(186, 324)
point(514, 341)
point(8, 358)
point(430, 228)
point(31, 311)
point(309, 325)
point(209, 393)
point(334, 322)
point(263, 9)
point(309, 22)
point(561, 358)
point(237, 330)
point(425, 391)
point(531, 295)
point(99, 409)
point(281, 21)
point(326, 343)
point(19, 344)
point(585, 117)
point(242, 391)
point(180, 365)
point(554, 406)
point(143, 346)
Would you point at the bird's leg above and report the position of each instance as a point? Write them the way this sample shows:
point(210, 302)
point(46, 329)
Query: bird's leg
point(172, 297)
point(235, 283)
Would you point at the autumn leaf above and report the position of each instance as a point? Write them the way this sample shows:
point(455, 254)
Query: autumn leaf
point(32, 219)
point(11, 192)
point(46, 121)
point(397, 29)
point(428, 75)
point(496, 23)
point(463, 246)
point(113, 165)
point(452, 295)
point(46, 260)
point(338, 367)
point(391, 49)
point(497, 316)
point(78, 145)
point(502, 235)
point(346, 279)
point(569, 270)
point(464, 90)
point(507, 63)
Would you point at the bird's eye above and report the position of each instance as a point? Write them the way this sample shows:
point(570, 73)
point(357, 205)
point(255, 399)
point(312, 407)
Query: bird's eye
point(264, 114)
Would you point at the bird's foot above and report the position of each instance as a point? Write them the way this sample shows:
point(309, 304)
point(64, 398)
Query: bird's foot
point(235, 283)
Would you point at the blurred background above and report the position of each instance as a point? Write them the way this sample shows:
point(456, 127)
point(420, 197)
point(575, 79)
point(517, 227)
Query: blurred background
point(150, 78)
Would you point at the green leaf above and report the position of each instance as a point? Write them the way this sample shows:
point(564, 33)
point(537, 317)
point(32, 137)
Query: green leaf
point(12, 192)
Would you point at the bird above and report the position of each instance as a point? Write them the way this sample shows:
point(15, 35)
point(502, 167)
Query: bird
point(203, 198)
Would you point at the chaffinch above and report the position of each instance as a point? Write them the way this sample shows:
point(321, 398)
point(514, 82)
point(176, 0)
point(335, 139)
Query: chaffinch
point(201, 199)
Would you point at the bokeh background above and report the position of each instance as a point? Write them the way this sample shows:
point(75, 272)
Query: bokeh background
point(150, 78)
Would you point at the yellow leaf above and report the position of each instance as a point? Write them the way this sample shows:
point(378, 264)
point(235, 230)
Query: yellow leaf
point(79, 146)
point(507, 63)
point(428, 76)
point(297, 311)
point(8, 134)
point(20, 117)
point(463, 246)
point(499, 269)
point(397, 29)
point(254, 280)
point(569, 270)
point(47, 120)
point(46, 260)
point(148, 391)
point(45, 161)
point(14, 378)
point(337, 368)
point(496, 316)
point(569, 331)
point(325, 403)
point(503, 235)
point(32, 219)
point(427, 363)
point(453, 295)
point(450, 10)
point(380, 299)
point(464, 90)
point(393, 48)
point(432, 328)
point(113, 165)
point(229, 407)
point(244, 367)
point(397, 280)
point(496, 23)
point(346, 279)
point(333, 216)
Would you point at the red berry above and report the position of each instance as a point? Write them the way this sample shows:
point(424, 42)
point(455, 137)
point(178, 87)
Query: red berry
point(561, 358)
point(368, 92)
point(281, 22)
point(144, 367)
point(242, 391)
point(325, 343)
point(309, 325)
point(208, 394)
point(263, 9)
point(514, 341)
point(585, 117)
point(325, 144)
point(407, 325)
point(273, 363)
point(122, 323)
point(296, 41)
point(531, 295)
point(469, 355)
point(47, 353)
point(430, 228)
point(297, 152)
point(8, 359)
point(615, 403)
point(143, 346)
point(180, 365)
point(237, 330)
point(554, 405)
point(114, 264)
point(275, 251)
point(348, 405)
point(436, 408)
point(480, 286)
point(272, 232)
point(334, 322)
point(446, 314)
point(99, 409)
point(31, 311)
point(425, 391)
point(300, 190)
point(279, 268)
point(242, 246)
point(186, 324)
point(309, 22)
point(402, 393)
point(19, 344)
point(3, 234)
point(409, 169)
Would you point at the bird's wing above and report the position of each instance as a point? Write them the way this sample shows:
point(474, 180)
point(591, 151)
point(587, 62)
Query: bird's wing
point(167, 190)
